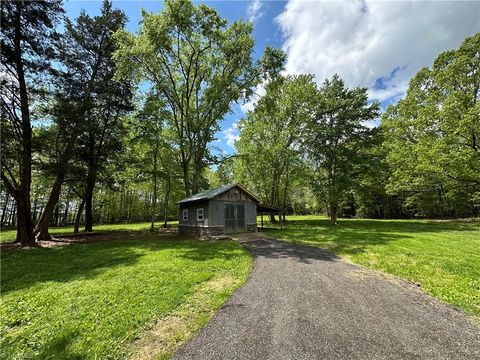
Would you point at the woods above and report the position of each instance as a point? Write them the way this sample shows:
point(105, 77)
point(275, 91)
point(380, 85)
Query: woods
point(104, 125)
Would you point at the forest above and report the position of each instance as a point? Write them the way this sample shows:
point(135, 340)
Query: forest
point(100, 125)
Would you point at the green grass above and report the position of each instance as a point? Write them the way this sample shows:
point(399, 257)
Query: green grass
point(90, 301)
point(10, 234)
point(442, 256)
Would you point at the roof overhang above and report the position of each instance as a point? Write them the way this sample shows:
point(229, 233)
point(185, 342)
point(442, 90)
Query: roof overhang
point(213, 193)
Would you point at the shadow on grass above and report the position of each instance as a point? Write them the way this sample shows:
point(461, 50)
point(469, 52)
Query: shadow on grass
point(25, 268)
point(352, 236)
point(59, 347)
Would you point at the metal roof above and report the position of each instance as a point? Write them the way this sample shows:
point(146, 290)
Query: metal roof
point(210, 194)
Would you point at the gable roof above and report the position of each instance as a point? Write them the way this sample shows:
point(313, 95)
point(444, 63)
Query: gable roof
point(210, 194)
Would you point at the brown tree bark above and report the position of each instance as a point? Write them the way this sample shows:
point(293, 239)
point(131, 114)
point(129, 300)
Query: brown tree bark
point(76, 226)
point(333, 209)
point(4, 210)
point(165, 202)
point(20, 190)
point(41, 229)
point(154, 195)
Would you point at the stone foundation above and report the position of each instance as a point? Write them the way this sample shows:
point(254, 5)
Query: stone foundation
point(201, 232)
point(252, 227)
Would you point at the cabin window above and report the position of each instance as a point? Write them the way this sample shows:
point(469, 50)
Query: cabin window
point(199, 214)
point(185, 215)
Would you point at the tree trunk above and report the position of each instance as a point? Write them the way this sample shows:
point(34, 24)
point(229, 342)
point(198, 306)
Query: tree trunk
point(11, 220)
point(89, 203)
point(4, 210)
point(56, 214)
point(35, 206)
point(333, 209)
point(154, 195)
point(165, 203)
point(41, 229)
point(25, 234)
point(76, 227)
point(65, 213)
point(90, 186)
point(24, 223)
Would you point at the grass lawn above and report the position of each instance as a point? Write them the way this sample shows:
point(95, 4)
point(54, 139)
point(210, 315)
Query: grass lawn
point(442, 256)
point(10, 234)
point(101, 300)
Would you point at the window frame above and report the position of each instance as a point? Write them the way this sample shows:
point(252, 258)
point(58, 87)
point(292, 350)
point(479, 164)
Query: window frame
point(200, 210)
point(185, 215)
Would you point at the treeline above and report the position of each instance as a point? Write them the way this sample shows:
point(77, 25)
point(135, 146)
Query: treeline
point(111, 206)
point(306, 149)
point(99, 124)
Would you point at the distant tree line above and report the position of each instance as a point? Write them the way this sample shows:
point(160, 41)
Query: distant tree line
point(306, 149)
point(99, 124)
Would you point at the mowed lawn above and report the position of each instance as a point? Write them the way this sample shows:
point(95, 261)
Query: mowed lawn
point(10, 234)
point(442, 256)
point(98, 300)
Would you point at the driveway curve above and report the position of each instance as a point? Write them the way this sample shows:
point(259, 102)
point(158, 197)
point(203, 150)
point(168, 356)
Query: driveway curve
point(302, 302)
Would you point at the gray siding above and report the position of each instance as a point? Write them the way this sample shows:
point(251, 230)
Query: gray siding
point(217, 212)
point(192, 214)
point(235, 194)
point(251, 213)
point(213, 212)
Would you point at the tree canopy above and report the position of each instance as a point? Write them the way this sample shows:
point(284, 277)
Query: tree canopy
point(100, 124)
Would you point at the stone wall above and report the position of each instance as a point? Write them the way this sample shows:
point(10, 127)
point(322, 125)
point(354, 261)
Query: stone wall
point(252, 227)
point(201, 232)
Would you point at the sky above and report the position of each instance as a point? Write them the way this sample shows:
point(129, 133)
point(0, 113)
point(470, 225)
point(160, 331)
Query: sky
point(375, 44)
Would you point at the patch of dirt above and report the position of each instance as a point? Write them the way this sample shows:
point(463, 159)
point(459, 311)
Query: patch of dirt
point(169, 333)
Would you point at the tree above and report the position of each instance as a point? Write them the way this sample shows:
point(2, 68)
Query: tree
point(339, 140)
point(153, 152)
point(27, 30)
point(84, 84)
point(433, 135)
point(269, 152)
point(198, 66)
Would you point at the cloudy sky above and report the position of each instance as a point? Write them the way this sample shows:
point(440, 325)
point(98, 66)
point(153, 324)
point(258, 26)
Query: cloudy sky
point(376, 44)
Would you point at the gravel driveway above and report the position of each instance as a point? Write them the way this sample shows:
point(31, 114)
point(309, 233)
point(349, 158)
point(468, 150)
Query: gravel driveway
point(302, 302)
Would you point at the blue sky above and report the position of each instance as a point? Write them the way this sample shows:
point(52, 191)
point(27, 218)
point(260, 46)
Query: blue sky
point(376, 44)
point(266, 33)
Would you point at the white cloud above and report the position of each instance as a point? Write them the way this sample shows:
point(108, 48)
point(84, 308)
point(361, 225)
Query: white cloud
point(363, 41)
point(254, 10)
point(258, 93)
point(231, 134)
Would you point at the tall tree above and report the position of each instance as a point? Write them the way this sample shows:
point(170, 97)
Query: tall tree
point(199, 66)
point(27, 30)
point(339, 139)
point(84, 81)
point(152, 150)
point(433, 135)
point(269, 152)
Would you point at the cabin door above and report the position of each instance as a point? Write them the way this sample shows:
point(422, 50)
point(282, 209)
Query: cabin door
point(234, 218)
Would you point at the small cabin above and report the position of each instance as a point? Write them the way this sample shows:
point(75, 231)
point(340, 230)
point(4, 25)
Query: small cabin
point(225, 210)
